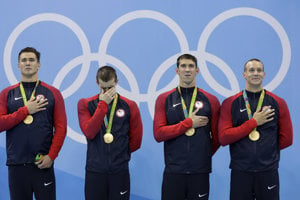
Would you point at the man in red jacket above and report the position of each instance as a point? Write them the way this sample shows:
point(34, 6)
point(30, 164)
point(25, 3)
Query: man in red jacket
point(33, 115)
point(113, 127)
point(186, 119)
point(257, 125)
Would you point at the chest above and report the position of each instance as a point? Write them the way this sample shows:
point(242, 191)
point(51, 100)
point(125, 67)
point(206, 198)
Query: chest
point(174, 107)
point(15, 99)
point(239, 110)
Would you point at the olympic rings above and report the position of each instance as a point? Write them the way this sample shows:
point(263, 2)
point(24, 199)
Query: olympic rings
point(102, 57)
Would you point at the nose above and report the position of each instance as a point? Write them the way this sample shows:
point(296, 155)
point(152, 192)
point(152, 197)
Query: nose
point(256, 72)
point(187, 69)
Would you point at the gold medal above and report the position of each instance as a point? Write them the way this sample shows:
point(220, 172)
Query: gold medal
point(254, 135)
point(28, 119)
point(190, 132)
point(108, 138)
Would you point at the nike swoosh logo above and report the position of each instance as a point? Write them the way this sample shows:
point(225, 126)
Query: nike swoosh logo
point(202, 195)
point(46, 184)
point(122, 193)
point(174, 105)
point(271, 187)
point(242, 110)
point(17, 98)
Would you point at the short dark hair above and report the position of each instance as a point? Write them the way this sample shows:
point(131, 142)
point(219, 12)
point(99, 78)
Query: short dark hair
point(187, 56)
point(106, 73)
point(253, 59)
point(31, 50)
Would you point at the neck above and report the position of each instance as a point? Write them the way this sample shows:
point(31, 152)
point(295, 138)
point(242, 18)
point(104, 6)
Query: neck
point(254, 88)
point(187, 85)
point(29, 79)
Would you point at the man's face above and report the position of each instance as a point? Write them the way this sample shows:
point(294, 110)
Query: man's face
point(187, 71)
point(104, 86)
point(254, 73)
point(28, 64)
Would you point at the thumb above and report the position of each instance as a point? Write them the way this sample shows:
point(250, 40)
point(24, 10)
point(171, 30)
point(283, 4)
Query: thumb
point(31, 99)
point(195, 111)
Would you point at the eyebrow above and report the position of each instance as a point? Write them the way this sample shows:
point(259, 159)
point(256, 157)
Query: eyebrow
point(183, 64)
point(31, 58)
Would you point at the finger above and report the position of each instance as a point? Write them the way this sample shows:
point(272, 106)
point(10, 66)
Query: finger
point(272, 110)
point(30, 100)
point(42, 163)
point(42, 104)
point(38, 162)
point(205, 120)
point(43, 100)
point(102, 92)
point(269, 119)
point(41, 166)
point(111, 93)
point(40, 109)
point(112, 89)
point(197, 109)
point(271, 114)
point(203, 117)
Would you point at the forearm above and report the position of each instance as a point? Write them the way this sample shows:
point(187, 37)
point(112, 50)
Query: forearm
point(91, 125)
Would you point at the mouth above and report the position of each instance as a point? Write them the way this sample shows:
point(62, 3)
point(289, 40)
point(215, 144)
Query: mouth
point(256, 79)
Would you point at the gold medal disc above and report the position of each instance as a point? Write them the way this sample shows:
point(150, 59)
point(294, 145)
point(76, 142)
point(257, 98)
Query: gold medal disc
point(254, 135)
point(28, 119)
point(108, 138)
point(190, 132)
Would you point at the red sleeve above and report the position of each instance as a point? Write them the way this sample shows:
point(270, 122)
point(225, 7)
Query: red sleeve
point(162, 131)
point(136, 127)
point(60, 124)
point(215, 112)
point(90, 125)
point(8, 121)
point(284, 123)
point(227, 133)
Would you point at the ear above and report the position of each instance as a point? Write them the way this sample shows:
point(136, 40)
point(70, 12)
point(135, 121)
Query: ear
point(197, 70)
point(176, 70)
point(39, 66)
point(244, 75)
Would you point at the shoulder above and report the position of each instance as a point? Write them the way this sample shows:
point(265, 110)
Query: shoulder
point(164, 95)
point(274, 96)
point(210, 97)
point(125, 99)
point(87, 100)
point(9, 88)
point(129, 102)
point(280, 101)
point(232, 98)
point(50, 87)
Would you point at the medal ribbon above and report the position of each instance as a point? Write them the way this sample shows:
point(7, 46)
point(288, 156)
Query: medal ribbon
point(186, 114)
point(260, 101)
point(108, 124)
point(24, 94)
